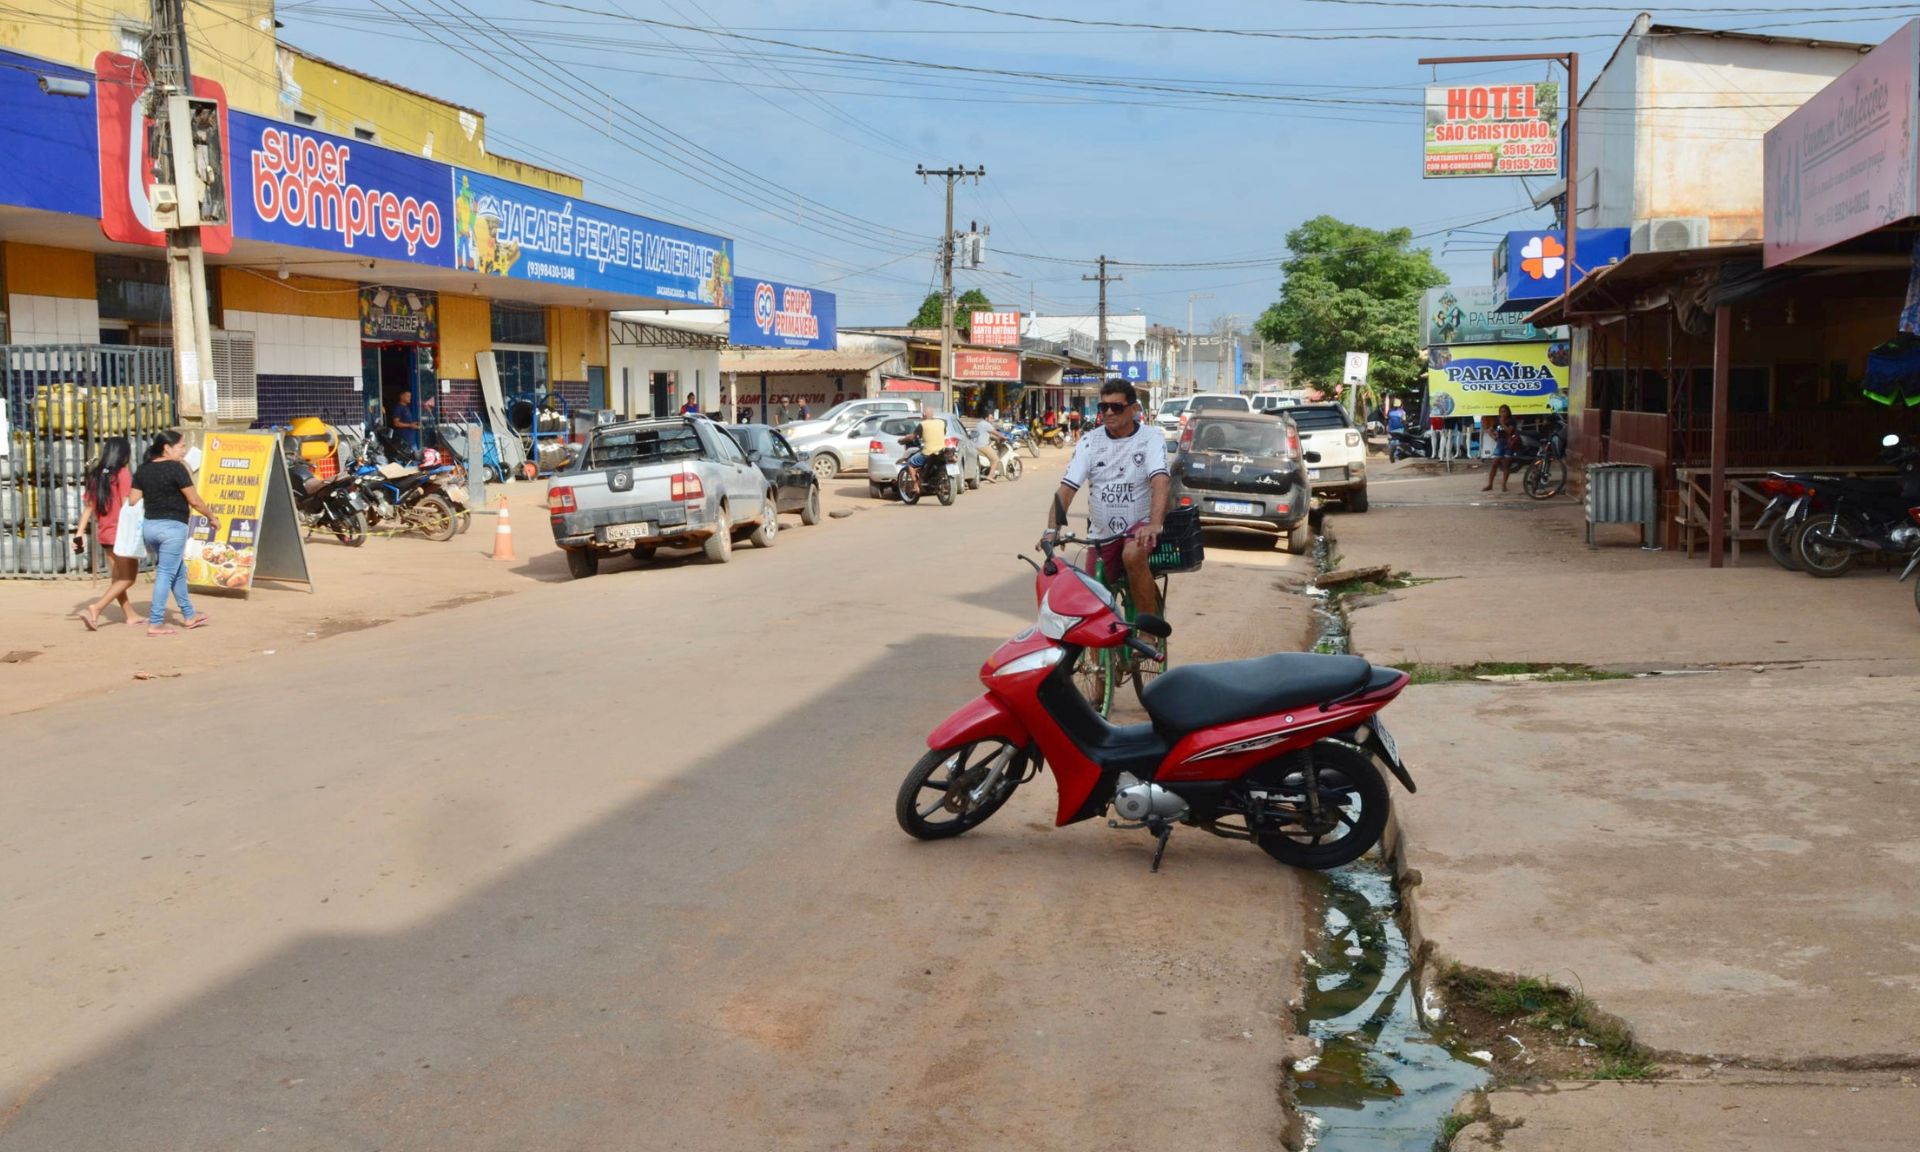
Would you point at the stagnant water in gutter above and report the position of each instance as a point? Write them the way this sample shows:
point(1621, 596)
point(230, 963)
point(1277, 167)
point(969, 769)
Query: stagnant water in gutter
point(1385, 1073)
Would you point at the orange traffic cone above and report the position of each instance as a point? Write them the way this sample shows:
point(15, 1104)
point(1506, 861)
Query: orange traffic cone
point(503, 535)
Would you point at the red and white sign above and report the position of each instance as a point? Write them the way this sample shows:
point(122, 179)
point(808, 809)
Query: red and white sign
point(126, 165)
point(986, 365)
point(1844, 163)
point(1000, 329)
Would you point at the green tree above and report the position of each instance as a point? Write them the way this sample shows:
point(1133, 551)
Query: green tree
point(964, 306)
point(1352, 289)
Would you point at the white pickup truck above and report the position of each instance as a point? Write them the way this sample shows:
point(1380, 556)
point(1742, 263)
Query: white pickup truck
point(1335, 452)
point(676, 481)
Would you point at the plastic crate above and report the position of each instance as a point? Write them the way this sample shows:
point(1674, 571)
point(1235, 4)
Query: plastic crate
point(1180, 548)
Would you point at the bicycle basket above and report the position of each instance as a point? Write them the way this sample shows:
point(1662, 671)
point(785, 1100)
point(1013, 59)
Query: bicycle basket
point(1180, 548)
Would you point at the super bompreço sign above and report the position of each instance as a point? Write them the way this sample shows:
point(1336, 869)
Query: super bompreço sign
point(316, 190)
point(1492, 130)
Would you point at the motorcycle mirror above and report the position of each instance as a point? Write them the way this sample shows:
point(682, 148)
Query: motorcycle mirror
point(1889, 440)
point(1152, 625)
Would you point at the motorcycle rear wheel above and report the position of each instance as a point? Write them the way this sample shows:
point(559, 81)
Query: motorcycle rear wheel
point(908, 486)
point(1822, 547)
point(432, 516)
point(945, 488)
point(943, 781)
point(352, 532)
point(1780, 544)
point(1343, 778)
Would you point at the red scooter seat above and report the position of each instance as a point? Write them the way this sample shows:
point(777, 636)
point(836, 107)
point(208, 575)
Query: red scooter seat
point(1195, 696)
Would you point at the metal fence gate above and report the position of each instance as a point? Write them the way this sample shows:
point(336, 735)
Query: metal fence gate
point(61, 401)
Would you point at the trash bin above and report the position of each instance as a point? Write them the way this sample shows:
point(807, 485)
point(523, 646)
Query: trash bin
point(1622, 494)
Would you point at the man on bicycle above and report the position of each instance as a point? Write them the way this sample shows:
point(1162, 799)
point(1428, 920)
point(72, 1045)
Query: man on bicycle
point(1123, 465)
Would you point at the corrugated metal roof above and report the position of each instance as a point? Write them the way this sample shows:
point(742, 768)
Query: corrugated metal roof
point(793, 362)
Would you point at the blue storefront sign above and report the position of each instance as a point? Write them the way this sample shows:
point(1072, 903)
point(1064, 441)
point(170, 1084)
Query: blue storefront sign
point(512, 230)
point(1530, 268)
point(1132, 371)
point(293, 185)
point(51, 141)
point(768, 314)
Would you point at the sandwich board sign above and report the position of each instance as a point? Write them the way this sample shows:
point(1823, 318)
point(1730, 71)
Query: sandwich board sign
point(254, 533)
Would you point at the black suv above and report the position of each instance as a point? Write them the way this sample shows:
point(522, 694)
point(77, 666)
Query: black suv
point(1243, 470)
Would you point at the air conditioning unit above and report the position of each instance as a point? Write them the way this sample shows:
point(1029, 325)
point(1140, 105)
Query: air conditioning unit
point(1670, 234)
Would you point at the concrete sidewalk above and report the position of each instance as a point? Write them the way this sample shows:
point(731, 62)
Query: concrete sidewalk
point(1725, 861)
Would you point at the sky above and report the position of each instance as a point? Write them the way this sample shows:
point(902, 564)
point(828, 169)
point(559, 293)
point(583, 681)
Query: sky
point(1185, 153)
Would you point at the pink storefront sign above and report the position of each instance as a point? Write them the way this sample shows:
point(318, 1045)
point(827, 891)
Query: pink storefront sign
point(1845, 163)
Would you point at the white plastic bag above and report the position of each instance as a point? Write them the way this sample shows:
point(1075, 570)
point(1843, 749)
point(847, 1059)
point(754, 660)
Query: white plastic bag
point(127, 534)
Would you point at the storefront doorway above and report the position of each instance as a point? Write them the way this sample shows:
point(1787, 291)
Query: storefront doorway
point(399, 335)
point(661, 392)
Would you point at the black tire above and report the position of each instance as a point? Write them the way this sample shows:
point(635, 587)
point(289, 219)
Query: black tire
point(582, 562)
point(1916, 595)
point(945, 490)
point(719, 546)
point(1545, 478)
point(1011, 467)
point(1343, 775)
point(1356, 499)
point(765, 532)
point(353, 531)
point(1780, 544)
point(433, 515)
point(810, 511)
point(908, 486)
point(1299, 538)
point(826, 467)
point(1822, 546)
point(875, 492)
point(965, 768)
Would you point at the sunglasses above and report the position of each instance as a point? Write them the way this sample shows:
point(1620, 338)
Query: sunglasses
point(1115, 409)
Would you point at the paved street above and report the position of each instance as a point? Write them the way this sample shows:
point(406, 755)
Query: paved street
point(612, 864)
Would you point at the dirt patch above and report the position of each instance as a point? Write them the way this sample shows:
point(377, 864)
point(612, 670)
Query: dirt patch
point(462, 601)
point(20, 657)
point(341, 625)
point(1533, 1030)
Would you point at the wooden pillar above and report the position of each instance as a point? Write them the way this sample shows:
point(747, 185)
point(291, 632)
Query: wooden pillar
point(1717, 489)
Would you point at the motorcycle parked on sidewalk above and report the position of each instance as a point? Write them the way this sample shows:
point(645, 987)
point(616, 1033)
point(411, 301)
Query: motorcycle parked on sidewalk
point(921, 473)
point(1408, 446)
point(429, 500)
point(1867, 516)
point(328, 505)
point(1286, 751)
point(1053, 436)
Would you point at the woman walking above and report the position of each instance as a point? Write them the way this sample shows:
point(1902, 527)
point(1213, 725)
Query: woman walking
point(107, 483)
point(164, 488)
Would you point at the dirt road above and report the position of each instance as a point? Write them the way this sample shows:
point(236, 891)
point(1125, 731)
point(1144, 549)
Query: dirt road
point(612, 864)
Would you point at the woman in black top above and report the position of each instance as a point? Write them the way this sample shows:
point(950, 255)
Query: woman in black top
point(164, 489)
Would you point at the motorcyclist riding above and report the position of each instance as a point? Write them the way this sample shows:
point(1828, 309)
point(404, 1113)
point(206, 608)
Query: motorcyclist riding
point(932, 432)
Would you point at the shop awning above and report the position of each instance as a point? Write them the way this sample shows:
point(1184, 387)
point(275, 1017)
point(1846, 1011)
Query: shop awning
point(800, 362)
point(1617, 288)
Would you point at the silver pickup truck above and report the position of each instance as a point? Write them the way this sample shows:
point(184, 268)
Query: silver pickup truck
point(677, 482)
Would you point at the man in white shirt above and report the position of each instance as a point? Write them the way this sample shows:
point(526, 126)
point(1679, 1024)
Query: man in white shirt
point(1123, 466)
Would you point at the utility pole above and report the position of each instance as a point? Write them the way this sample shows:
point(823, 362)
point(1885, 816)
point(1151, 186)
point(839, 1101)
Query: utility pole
point(946, 274)
point(1192, 383)
point(190, 192)
point(1103, 277)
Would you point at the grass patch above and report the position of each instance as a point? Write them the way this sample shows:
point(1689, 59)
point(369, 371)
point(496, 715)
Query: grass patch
point(1549, 673)
point(1449, 1128)
point(1393, 583)
point(1545, 1010)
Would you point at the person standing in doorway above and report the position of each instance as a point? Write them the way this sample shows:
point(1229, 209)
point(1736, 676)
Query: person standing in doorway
point(403, 421)
point(164, 489)
point(691, 407)
point(107, 484)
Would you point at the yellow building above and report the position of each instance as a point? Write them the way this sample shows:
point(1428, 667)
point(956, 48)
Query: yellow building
point(377, 244)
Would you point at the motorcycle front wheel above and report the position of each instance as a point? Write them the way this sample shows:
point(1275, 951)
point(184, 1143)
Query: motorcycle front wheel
point(1012, 467)
point(950, 790)
point(1325, 814)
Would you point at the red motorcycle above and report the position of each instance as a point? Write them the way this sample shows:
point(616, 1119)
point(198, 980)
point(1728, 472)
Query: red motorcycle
point(1282, 750)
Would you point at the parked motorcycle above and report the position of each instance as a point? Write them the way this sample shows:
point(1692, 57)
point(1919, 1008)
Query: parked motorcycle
point(936, 472)
point(1866, 517)
point(431, 501)
point(1408, 446)
point(328, 505)
point(1022, 437)
point(1053, 437)
point(1285, 751)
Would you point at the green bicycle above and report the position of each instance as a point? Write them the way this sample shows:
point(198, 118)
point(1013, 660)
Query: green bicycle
point(1100, 671)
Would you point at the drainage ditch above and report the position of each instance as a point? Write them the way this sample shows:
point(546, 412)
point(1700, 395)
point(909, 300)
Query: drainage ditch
point(1385, 1073)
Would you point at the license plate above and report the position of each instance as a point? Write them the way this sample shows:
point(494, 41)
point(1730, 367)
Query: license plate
point(953, 469)
point(1313, 473)
point(1235, 508)
point(1386, 741)
point(620, 532)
